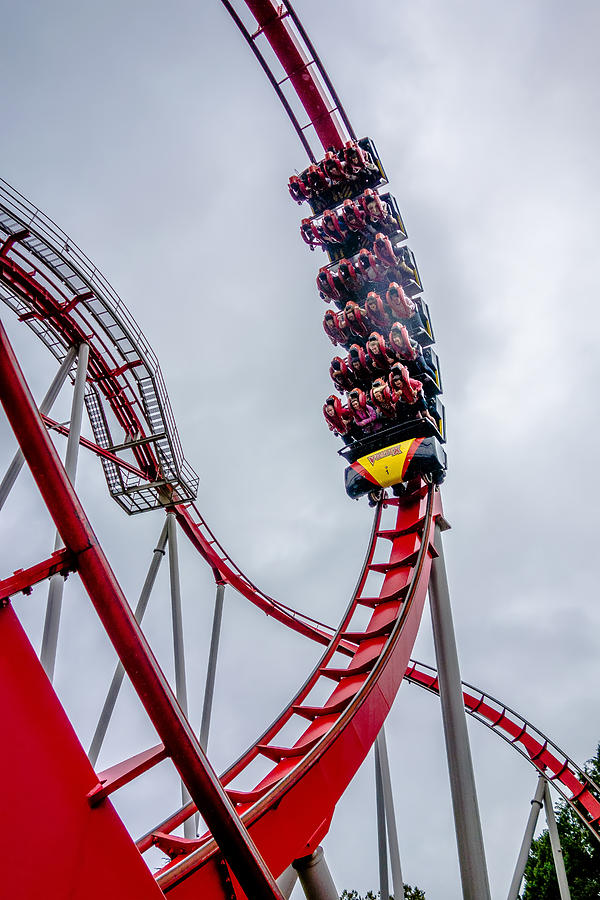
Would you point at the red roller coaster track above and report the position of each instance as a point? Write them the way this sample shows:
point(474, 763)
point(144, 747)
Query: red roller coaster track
point(252, 834)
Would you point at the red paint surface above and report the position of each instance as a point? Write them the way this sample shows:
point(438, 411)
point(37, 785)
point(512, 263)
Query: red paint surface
point(55, 844)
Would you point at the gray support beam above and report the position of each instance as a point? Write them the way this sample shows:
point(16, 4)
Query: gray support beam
point(390, 817)
point(46, 405)
point(469, 838)
point(384, 886)
point(315, 877)
point(536, 805)
point(117, 680)
point(211, 670)
point(57, 582)
point(557, 854)
point(189, 829)
point(287, 881)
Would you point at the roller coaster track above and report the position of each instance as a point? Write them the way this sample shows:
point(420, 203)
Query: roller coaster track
point(55, 289)
point(572, 783)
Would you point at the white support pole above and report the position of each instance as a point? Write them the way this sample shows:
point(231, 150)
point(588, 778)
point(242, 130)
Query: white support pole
point(211, 670)
point(46, 405)
point(384, 887)
point(315, 877)
point(57, 582)
point(469, 838)
point(390, 817)
point(117, 680)
point(557, 854)
point(536, 805)
point(189, 829)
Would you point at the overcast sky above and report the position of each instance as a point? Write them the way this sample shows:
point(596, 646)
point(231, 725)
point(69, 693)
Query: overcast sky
point(152, 137)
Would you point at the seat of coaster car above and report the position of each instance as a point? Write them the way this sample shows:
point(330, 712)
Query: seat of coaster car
point(336, 194)
point(402, 431)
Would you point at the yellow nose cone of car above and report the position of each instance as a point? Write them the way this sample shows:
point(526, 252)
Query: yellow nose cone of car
point(387, 466)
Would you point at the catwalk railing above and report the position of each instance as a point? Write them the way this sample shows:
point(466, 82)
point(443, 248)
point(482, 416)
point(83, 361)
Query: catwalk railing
point(52, 286)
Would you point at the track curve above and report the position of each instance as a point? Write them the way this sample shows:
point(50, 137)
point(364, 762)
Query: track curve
point(575, 787)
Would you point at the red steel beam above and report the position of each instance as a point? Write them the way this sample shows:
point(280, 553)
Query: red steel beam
point(61, 561)
point(128, 640)
point(95, 448)
point(291, 57)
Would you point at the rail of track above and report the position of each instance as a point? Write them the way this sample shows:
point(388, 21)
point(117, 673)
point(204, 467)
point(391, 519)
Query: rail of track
point(572, 783)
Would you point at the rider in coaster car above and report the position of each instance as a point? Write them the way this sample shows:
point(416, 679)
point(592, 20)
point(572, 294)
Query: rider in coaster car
point(333, 168)
point(405, 267)
point(377, 213)
point(353, 216)
point(350, 278)
point(375, 312)
point(333, 231)
point(338, 418)
point(345, 327)
point(408, 351)
point(379, 357)
point(354, 320)
point(316, 180)
point(365, 415)
point(341, 375)
point(330, 287)
point(357, 362)
point(309, 235)
point(358, 161)
point(383, 250)
point(401, 306)
point(299, 189)
point(332, 328)
point(409, 396)
point(368, 266)
point(382, 399)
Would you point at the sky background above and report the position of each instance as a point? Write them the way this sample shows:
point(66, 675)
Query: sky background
point(153, 139)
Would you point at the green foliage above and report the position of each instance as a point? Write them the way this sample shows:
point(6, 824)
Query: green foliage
point(410, 893)
point(581, 852)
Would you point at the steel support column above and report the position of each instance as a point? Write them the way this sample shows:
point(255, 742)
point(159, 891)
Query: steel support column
point(57, 582)
point(536, 805)
point(46, 405)
point(132, 647)
point(117, 679)
point(211, 670)
point(390, 817)
point(315, 876)
point(189, 828)
point(469, 838)
point(557, 854)
point(384, 887)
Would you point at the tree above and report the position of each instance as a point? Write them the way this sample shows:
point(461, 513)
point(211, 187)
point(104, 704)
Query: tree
point(581, 852)
point(410, 893)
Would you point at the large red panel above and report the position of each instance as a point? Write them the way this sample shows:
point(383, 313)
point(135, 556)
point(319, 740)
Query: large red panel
point(55, 845)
